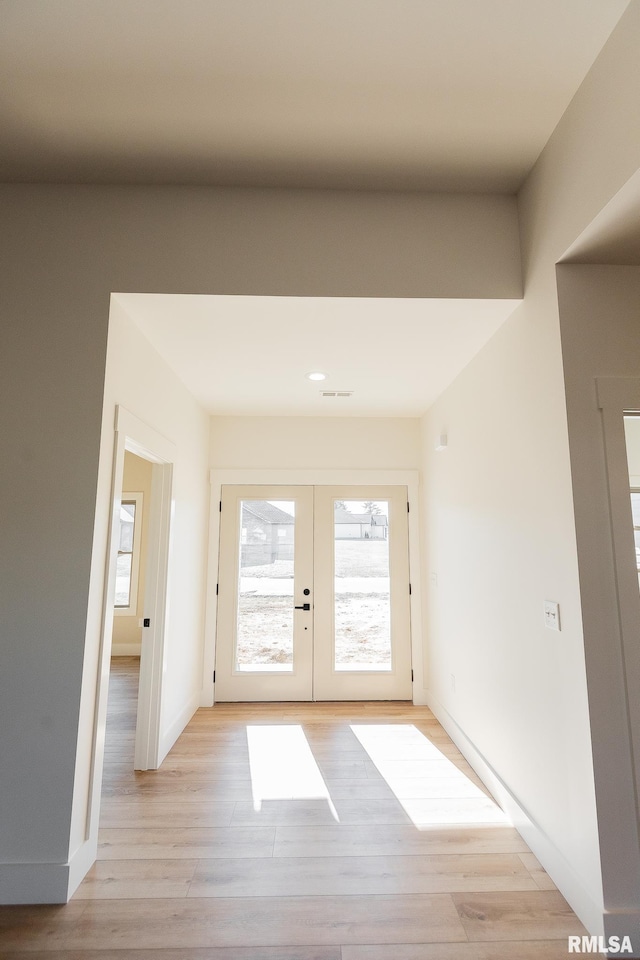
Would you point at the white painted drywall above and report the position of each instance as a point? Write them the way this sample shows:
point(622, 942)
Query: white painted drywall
point(63, 251)
point(499, 532)
point(593, 348)
point(347, 443)
point(499, 539)
point(140, 381)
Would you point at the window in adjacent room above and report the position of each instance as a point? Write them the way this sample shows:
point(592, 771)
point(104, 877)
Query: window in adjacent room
point(128, 562)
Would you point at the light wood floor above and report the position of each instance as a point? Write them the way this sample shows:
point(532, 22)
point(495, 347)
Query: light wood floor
point(397, 853)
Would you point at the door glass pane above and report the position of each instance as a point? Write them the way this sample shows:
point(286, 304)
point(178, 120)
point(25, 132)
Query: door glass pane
point(362, 585)
point(264, 628)
point(632, 435)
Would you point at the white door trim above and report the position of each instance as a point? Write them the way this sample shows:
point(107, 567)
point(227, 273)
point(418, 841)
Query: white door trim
point(312, 477)
point(138, 437)
point(618, 396)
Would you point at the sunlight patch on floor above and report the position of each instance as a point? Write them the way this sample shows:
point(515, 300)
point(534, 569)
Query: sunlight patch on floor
point(431, 789)
point(283, 767)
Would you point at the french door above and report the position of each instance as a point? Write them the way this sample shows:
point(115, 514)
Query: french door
point(313, 594)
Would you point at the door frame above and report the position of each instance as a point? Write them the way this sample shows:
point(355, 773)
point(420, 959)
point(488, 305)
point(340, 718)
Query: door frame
point(617, 397)
point(311, 477)
point(135, 436)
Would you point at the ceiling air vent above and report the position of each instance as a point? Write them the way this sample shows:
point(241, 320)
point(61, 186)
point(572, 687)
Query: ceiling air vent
point(336, 393)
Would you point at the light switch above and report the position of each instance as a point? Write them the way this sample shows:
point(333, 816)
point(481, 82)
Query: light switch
point(551, 615)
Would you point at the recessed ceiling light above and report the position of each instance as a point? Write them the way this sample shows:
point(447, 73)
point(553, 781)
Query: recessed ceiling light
point(316, 376)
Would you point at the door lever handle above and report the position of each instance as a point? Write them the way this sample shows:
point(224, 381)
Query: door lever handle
point(305, 606)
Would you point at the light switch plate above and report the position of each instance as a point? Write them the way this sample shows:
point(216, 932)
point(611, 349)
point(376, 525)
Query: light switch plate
point(551, 615)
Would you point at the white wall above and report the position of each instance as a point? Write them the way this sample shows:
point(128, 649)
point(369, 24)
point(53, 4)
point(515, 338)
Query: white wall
point(63, 251)
point(593, 348)
point(499, 527)
point(499, 538)
point(140, 381)
point(315, 448)
point(346, 443)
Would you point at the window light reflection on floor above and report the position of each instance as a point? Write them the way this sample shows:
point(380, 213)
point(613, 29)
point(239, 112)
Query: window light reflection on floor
point(283, 767)
point(432, 790)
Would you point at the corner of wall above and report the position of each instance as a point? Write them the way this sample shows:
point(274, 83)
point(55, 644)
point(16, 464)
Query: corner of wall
point(26, 883)
point(554, 862)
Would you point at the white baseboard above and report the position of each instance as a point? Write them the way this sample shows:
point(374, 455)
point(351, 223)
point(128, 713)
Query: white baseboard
point(171, 734)
point(33, 883)
point(552, 859)
point(126, 649)
point(420, 696)
point(80, 864)
point(45, 882)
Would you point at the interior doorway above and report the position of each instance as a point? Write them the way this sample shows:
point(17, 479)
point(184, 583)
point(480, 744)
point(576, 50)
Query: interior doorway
point(129, 604)
point(151, 459)
point(132, 555)
point(313, 593)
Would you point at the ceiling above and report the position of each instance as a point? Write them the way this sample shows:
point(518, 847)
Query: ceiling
point(438, 95)
point(455, 95)
point(250, 355)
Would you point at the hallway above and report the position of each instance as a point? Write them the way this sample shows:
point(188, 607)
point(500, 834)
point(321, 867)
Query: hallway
point(335, 831)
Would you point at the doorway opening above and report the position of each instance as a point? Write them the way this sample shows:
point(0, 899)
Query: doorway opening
point(129, 604)
point(136, 592)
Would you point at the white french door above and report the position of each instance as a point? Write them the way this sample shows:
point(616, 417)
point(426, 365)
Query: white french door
point(313, 594)
point(264, 641)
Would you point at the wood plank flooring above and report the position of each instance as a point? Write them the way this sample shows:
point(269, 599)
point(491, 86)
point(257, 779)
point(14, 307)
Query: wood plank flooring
point(374, 840)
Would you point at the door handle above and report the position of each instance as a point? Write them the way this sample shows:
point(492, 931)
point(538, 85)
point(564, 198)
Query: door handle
point(305, 606)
